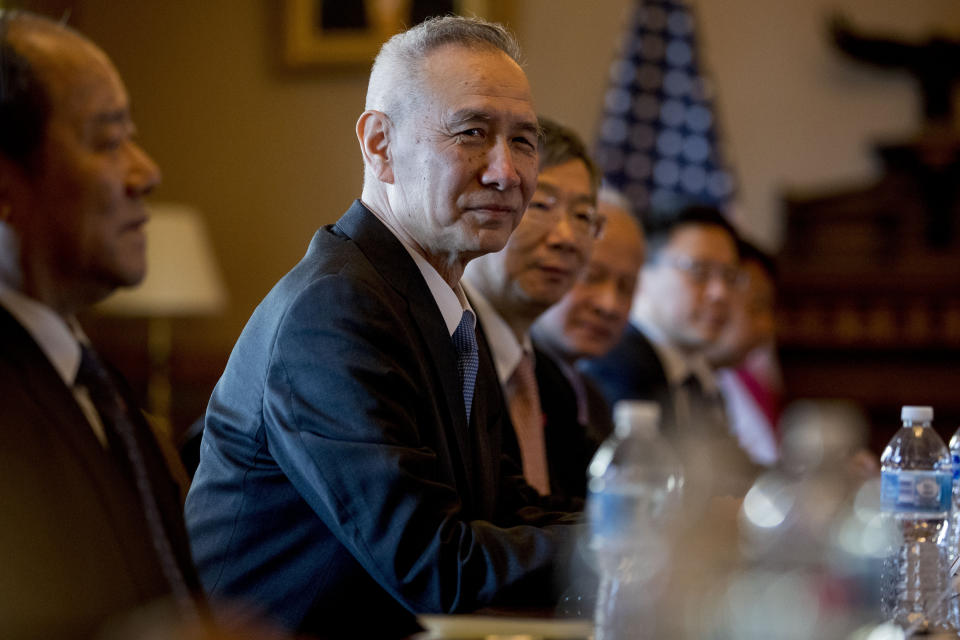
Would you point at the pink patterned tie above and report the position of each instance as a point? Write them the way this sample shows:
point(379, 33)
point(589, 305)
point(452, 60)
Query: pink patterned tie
point(527, 420)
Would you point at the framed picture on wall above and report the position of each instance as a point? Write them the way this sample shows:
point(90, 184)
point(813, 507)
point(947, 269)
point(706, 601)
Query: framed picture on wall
point(345, 32)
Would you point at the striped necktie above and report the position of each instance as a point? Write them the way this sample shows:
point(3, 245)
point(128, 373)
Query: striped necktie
point(121, 435)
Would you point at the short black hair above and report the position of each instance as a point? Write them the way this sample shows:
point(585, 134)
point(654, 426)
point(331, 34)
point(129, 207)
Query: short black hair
point(749, 252)
point(24, 101)
point(659, 229)
point(559, 144)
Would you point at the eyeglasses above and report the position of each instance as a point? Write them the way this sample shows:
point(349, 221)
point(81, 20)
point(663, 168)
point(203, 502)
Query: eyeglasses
point(585, 221)
point(703, 271)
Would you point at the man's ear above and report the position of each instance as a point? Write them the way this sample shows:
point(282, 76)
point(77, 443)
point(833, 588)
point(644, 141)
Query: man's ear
point(375, 131)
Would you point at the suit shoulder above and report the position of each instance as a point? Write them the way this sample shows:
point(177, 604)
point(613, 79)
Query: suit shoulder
point(334, 272)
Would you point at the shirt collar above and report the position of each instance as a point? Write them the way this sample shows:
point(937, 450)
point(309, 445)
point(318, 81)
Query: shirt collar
point(507, 351)
point(451, 302)
point(56, 337)
point(676, 365)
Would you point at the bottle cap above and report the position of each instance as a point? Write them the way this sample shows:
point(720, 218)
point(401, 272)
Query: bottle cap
point(642, 416)
point(916, 414)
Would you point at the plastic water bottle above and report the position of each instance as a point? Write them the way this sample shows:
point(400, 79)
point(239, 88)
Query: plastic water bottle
point(953, 546)
point(953, 533)
point(635, 488)
point(916, 489)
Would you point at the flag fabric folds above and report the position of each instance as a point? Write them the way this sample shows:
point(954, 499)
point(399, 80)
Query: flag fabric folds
point(657, 142)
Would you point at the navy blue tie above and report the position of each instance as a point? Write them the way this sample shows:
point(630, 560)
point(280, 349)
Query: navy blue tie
point(121, 436)
point(468, 362)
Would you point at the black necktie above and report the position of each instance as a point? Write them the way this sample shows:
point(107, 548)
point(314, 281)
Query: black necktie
point(706, 410)
point(121, 436)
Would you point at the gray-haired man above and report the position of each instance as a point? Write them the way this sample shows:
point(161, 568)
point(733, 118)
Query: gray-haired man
point(351, 458)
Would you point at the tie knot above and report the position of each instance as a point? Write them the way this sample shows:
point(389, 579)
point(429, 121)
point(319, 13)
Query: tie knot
point(692, 384)
point(92, 372)
point(464, 337)
point(96, 378)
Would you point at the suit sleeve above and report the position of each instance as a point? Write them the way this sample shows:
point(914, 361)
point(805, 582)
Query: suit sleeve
point(347, 422)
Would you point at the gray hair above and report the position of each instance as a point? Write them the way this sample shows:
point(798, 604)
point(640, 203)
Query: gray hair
point(393, 79)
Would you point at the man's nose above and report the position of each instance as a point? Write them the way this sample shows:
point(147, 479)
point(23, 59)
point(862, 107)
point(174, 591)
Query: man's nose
point(606, 299)
point(144, 174)
point(562, 234)
point(501, 170)
point(717, 287)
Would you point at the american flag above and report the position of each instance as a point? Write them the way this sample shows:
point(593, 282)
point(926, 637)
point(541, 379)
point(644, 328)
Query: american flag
point(657, 142)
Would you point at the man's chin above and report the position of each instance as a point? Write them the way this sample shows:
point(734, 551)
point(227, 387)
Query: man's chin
point(588, 348)
point(128, 278)
point(591, 345)
point(547, 293)
point(695, 341)
point(491, 241)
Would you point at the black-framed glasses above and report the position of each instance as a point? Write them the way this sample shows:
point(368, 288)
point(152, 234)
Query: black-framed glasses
point(701, 272)
point(585, 221)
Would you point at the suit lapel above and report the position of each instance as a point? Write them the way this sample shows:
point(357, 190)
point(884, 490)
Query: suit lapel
point(65, 421)
point(653, 376)
point(652, 373)
point(58, 402)
point(391, 260)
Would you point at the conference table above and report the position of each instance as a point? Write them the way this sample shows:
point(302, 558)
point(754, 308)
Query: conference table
point(500, 627)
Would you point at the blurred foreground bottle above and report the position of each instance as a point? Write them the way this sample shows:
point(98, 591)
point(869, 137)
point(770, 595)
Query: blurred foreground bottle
point(811, 538)
point(635, 489)
point(916, 489)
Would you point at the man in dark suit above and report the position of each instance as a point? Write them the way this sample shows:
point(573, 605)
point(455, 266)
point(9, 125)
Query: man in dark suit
point(681, 306)
point(589, 320)
point(511, 288)
point(350, 471)
point(91, 524)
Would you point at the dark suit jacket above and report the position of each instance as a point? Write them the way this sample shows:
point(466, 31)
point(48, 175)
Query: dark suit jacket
point(570, 444)
point(632, 371)
point(338, 476)
point(569, 447)
point(74, 546)
point(599, 415)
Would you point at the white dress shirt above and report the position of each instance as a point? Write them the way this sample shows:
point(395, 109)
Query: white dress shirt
point(678, 367)
point(747, 420)
point(451, 302)
point(57, 337)
point(504, 346)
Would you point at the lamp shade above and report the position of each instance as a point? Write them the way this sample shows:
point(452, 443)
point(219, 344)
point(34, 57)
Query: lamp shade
point(182, 275)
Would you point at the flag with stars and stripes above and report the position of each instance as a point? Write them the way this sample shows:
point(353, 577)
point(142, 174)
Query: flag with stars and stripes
point(657, 142)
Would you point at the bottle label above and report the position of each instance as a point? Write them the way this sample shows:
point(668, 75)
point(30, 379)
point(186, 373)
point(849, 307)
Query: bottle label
point(916, 491)
point(956, 467)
